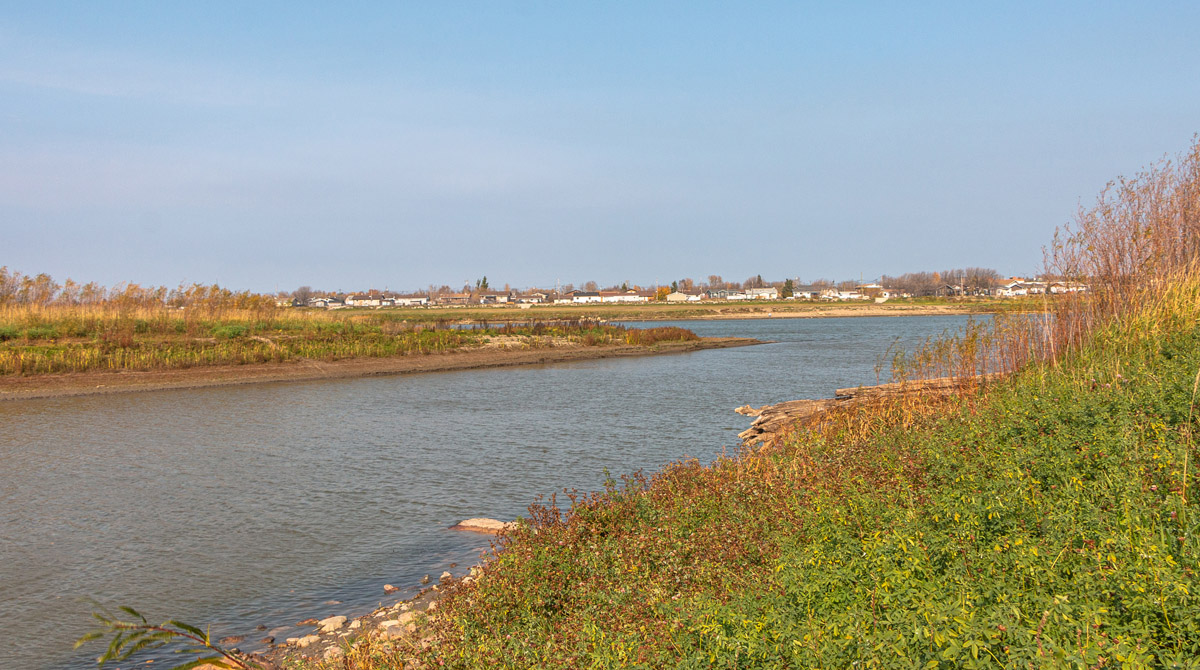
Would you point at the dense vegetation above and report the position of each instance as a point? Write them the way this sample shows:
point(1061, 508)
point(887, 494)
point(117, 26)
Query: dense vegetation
point(1048, 520)
point(39, 340)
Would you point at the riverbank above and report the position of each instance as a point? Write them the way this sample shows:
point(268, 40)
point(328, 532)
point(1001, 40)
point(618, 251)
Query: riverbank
point(14, 387)
point(1041, 520)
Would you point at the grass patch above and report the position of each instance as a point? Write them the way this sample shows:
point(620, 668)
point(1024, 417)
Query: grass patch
point(54, 340)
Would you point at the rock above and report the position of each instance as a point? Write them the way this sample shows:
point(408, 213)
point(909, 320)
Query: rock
point(331, 624)
point(444, 576)
point(232, 639)
point(389, 589)
point(267, 640)
point(392, 633)
point(432, 606)
point(425, 579)
point(388, 624)
point(406, 618)
point(355, 624)
point(482, 525)
point(307, 622)
point(333, 653)
point(291, 640)
point(307, 640)
point(260, 627)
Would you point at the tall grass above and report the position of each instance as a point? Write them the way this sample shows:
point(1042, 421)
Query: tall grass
point(1135, 249)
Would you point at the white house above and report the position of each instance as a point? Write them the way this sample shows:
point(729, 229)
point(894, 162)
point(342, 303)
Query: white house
point(585, 296)
point(768, 293)
point(411, 300)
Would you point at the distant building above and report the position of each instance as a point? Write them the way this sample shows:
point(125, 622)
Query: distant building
point(584, 296)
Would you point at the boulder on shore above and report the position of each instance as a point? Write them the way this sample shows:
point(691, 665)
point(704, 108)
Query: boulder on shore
point(331, 624)
point(482, 525)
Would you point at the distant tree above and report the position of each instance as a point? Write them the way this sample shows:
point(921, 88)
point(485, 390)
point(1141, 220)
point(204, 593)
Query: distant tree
point(674, 286)
point(591, 286)
point(482, 284)
point(10, 284)
point(687, 285)
point(69, 295)
point(303, 294)
point(39, 290)
point(662, 293)
point(625, 286)
point(788, 290)
point(715, 282)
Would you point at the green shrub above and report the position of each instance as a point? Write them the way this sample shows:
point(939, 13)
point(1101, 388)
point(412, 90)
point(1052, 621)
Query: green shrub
point(229, 332)
point(41, 333)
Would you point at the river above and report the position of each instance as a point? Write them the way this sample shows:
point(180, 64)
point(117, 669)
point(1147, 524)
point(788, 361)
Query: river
point(267, 504)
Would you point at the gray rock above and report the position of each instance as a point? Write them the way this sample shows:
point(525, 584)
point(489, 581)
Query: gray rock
point(331, 624)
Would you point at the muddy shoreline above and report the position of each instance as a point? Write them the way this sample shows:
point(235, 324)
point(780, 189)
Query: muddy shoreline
point(96, 383)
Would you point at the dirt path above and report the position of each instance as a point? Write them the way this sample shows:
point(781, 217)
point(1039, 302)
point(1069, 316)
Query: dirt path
point(92, 383)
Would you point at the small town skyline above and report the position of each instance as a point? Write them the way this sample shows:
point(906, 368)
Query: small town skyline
point(18, 288)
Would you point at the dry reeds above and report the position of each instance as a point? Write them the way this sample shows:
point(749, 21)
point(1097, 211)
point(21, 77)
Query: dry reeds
point(1128, 256)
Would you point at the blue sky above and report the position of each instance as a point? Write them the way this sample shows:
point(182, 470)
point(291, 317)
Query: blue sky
point(269, 145)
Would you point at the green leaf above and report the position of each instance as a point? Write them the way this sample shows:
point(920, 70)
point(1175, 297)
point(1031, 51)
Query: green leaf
point(132, 612)
point(183, 626)
point(89, 637)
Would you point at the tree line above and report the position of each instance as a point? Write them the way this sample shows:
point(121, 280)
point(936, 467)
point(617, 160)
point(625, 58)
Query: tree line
point(42, 290)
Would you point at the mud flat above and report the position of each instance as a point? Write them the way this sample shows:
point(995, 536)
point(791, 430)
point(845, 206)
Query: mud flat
point(92, 383)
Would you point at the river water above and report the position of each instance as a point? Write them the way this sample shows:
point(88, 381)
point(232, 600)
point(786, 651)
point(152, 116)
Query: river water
point(272, 503)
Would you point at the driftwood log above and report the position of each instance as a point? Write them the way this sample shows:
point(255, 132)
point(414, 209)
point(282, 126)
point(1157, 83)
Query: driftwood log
point(771, 419)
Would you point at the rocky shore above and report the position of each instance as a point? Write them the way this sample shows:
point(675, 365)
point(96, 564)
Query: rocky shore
point(330, 638)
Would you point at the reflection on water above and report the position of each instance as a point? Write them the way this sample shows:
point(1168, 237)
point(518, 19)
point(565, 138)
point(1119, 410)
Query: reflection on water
point(260, 504)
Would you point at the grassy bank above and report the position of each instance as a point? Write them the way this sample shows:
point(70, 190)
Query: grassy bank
point(1048, 520)
point(36, 341)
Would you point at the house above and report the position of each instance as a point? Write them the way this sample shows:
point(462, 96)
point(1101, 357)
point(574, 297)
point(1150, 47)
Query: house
point(411, 300)
point(531, 298)
point(493, 297)
point(768, 293)
point(1067, 287)
point(873, 290)
point(326, 303)
point(806, 292)
point(452, 299)
point(622, 296)
point(369, 300)
point(584, 296)
point(680, 296)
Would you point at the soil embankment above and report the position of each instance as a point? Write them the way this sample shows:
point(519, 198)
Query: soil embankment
point(91, 383)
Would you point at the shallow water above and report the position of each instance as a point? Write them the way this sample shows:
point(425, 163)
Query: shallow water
point(264, 504)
